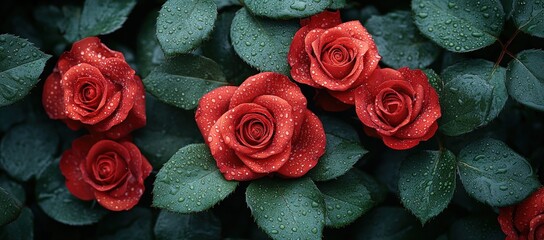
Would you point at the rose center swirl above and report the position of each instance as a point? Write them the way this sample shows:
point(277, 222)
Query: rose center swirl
point(254, 130)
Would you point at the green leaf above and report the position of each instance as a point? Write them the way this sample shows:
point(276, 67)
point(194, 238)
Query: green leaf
point(13, 188)
point(287, 209)
point(346, 198)
point(286, 9)
point(343, 150)
point(494, 174)
point(22, 228)
point(58, 203)
point(182, 25)
point(525, 78)
point(474, 94)
point(26, 149)
point(98, 17)
point(227, 3)
point(196, 226)
point(184, 86)
point(388, 223)
point(20, 67)
point(11, 207)
point(476, 227)
point(168, 129)
point(338, 4)
point(134, 224)
point(529, 16)
point(427, 183)
point(190, 181)
point(262, 43)
point(399, 42)
point(459, 26)
point(220, 49)
point(434, 80)
point(149, 52)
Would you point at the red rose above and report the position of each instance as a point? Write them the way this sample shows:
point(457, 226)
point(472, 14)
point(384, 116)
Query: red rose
point(261, 127)
point(400, 107)
point(328, 54)
point(94, 87)
point(111, 172)
point(524, 221)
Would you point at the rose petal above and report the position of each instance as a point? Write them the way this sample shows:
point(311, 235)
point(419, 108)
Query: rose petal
point(307, 149)
point(298, 59)
point(536, 228)
point(125, 199)
point(505, 219)
point(69, 167)
point(211, 106)
point(88, 50)
point(99, 148)
point(135, 162)
point(528, 209)
point(325, 19)
point(228, 163)
point(53, 97)
point(269, 83)
point(136, 118)
point(397, 143)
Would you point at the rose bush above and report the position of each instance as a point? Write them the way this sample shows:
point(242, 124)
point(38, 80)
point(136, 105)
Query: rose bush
point(524, 221)
point(331, 55)
point(261, 127)
point(94, 87)
point(400, 107)
point(112, 172)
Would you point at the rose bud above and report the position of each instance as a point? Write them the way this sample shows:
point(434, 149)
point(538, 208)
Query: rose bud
point(400, 107)
point(94, 87)
point(337, 57)
point(261, 127)
point(112, 172)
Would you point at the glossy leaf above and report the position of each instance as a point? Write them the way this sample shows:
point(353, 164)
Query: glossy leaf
point(427, 183)
point(494, 174)
point(346, 198)
point(58, 203)
point(21, 229)
point(134, 224)
point(27, 149)
point(460, 26)
point(196, 226)
point(182, 25)
point(12, 187)
point(11, 207)
point(525, 78)
point(20, 67)
point(184, 86)
point(474, 94)
point(97, 17)
point(529, 16)
point(476, 227)
point(262, 43)
point(190, 181)
point(149, 52)
point(286, 9)
point(399, 41)
point(388, 223)
point(168, 129)
point(287, 209)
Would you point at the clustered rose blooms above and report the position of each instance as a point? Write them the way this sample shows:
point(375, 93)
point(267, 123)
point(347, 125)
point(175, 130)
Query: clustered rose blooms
point(400, 107)
point(261, 127)
point(112, 172)
point(524, 221)
point(94, 87)
point(331, 55)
